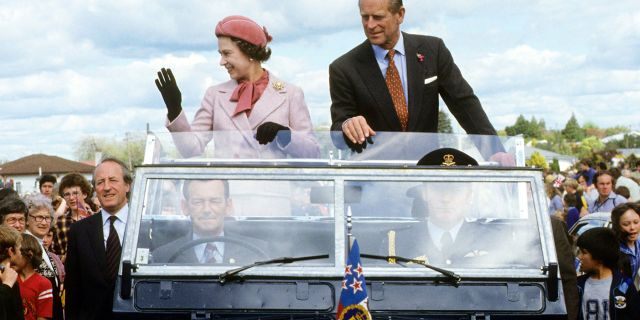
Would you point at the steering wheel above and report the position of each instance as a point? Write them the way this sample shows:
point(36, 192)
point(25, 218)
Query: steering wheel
point(251, 247)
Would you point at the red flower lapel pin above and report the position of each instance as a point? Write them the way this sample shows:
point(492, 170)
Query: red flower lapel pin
point(420, 57)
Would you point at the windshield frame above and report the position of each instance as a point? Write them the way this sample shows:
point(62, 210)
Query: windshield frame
point(339, 175)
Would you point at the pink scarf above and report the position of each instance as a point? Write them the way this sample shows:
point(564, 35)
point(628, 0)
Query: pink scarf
point(247, 93)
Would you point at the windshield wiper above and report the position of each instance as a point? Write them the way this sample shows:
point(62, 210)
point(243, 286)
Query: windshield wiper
point(452, 276)
point(231, 274)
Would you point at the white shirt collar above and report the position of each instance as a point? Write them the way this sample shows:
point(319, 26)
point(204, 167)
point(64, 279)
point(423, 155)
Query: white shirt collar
point(436, 232)
point(381, 53)
point(122, 215)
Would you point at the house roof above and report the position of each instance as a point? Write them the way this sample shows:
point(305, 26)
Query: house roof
point(50, 164)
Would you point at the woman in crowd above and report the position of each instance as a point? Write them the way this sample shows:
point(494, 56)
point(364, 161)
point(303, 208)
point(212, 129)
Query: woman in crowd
point(625, 220)
point(589, 191)
point(38, 225)
point(75, 189)
point(253, 100)
point(554, 193)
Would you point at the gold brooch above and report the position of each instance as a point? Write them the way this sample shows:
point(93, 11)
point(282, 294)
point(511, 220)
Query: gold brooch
point(278, 85)
point(448, 160)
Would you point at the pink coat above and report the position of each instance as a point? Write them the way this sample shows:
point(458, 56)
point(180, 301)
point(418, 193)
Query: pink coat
point(281, 102)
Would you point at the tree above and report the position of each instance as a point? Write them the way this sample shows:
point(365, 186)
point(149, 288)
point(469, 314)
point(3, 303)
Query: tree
point(589, 146)
point(444, 122)
point(537, 160)
point(572, 130)
point(528, 128)
point(130, 149)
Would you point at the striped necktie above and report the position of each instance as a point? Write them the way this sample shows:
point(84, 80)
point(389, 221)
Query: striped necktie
point(113, 250)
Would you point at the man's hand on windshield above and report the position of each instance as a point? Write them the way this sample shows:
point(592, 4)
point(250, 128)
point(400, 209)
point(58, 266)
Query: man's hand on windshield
point(504, 159)
point(171, 95)
point(357, 133)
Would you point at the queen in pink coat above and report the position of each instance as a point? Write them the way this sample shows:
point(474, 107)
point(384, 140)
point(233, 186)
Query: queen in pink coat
point(264, 116)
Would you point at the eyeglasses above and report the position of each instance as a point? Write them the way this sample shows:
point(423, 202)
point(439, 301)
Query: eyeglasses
point(14, 220)
point(69, 194)
point(39, 219)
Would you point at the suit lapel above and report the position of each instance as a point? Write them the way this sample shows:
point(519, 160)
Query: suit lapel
point(415, 78)
point(367, 67)
point(96, 240)
point(268, 103)
point(241, 122)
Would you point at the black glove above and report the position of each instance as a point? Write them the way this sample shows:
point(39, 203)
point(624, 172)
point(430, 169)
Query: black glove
point(357, 147)
point(168, 87)
point(267, 132)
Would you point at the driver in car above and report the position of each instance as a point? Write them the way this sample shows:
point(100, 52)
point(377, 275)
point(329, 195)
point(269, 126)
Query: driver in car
point(207, 203)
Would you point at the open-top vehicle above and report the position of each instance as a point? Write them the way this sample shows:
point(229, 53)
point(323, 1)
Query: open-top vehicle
point(287, 224)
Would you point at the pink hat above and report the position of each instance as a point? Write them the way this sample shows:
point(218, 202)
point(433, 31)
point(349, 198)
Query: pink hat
point(243, 28)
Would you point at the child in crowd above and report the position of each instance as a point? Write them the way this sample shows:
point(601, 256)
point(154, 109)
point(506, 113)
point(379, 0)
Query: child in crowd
point(605, 293)
point(36, 291)
point(10, 301)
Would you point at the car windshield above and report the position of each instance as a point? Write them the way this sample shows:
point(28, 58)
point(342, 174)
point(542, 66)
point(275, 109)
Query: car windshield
point(322, 146)
point(216, 214)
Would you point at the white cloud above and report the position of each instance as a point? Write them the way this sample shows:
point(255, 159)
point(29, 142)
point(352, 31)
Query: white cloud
point(79, 67)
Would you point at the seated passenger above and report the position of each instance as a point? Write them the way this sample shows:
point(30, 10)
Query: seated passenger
point(207, 202)
point(445, 237)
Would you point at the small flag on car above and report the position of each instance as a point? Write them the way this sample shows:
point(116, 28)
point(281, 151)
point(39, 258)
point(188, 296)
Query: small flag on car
point(353, 297)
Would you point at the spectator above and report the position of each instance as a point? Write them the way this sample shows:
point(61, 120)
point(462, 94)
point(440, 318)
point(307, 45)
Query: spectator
point(47, 187)
point(625, 221)
point(6, 192)
point(75, 189)
point(589, 191)
point(554, 194)
point(47, 241)
point(603, 289)
point(10, 299)
point(38, 225)
point(602, 166)
point(36, 292)
point(585, 169)
point(47, 184)
point(622, 181)
point(92, 270)
point(623, 191)
point(12, 213)
point(573, 188)
point(607, 199)
point(571, 212)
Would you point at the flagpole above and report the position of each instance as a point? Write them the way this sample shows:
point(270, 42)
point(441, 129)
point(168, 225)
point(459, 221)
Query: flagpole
point(349, 227)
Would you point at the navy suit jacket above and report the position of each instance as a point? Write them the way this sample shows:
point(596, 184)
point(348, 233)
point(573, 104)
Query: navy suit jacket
point(89, 295)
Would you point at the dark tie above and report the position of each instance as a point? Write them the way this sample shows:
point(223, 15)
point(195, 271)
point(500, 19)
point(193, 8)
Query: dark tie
point(446, 244)
point(113, 250)
point(210, 253)
point(394, 84)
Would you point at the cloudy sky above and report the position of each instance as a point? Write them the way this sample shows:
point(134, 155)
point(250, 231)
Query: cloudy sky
point(72, 68)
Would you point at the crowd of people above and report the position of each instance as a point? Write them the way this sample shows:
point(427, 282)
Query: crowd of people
point(615, 191)
point(45, 266)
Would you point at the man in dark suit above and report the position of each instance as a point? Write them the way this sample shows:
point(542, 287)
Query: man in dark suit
point(371, 92)
point(445, 237)
point(94, 246)
point(207, 202)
